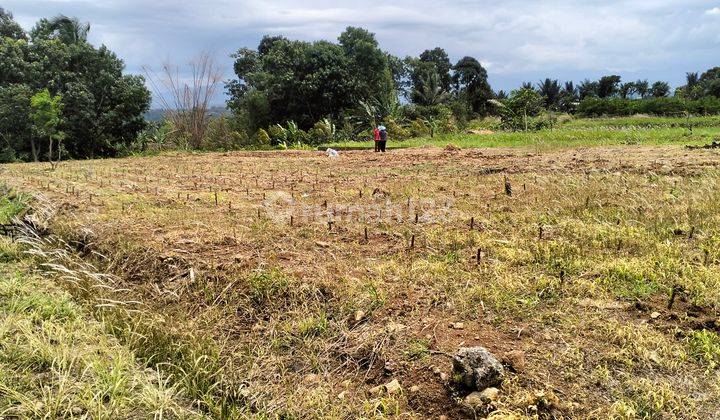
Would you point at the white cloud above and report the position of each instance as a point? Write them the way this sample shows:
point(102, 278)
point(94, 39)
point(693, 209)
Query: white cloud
point(713, 11)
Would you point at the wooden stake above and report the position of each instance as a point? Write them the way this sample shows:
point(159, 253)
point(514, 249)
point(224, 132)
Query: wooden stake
point(673, 294)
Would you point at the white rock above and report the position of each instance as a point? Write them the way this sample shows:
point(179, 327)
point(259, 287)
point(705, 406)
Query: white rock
point(490, 394)
point(393, 387)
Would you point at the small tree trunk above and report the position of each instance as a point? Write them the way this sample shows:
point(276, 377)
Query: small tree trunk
point(34, 150)
point(50, 154)
point(59, 154)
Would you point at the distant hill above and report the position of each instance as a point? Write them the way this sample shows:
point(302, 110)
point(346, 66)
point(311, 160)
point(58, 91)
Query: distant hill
point(159, 114)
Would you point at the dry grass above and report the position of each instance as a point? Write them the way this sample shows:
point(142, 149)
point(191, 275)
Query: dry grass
point(58, 362)
point(302, 318)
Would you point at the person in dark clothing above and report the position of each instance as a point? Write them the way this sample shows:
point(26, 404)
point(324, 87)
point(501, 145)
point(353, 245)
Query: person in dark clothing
point(383, 139)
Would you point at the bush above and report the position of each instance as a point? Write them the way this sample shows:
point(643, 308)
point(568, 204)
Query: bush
point(277, 133)
point(220, 136)
point(262, 138)
point(597, 107)
point(418, 128)
point(449, 125)
point(322, 132)
point(544, 120)
point(396, 131)
point(487, 123)
point(7, 155)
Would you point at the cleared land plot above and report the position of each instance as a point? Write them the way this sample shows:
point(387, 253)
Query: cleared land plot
point(319, 278)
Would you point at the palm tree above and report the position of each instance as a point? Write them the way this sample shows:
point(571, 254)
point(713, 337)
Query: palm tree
point(627, 90)
point(587, 88)
point(642, 87)
point(550, 90)
point(570, 89)
point(568, 99)
point(430, 91)
point(69, 30)
point(660, 89)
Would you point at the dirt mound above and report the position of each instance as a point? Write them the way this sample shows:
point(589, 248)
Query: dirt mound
point(714, 145)
point(480, 132)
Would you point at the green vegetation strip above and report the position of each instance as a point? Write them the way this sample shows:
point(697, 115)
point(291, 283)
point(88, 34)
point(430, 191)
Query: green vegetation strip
point(555, 139)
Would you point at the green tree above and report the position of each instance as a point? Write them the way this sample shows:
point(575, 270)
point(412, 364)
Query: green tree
point(626, 90)
point(567, 102)
point(293, 80)
point(608, 86)
point(439, 58)
point(471, 84)
point(519, 107)
point(103, 110)
point(9, 28)
point(45, 115)
point(660, 90)
point(550, 91)
point(642, 87)
point(68, 30)
point(429, 89)
point(368, 65)
point(14, 66)
point(708, 84)
point(15, 125)
point(400, 69)
point(587, 89)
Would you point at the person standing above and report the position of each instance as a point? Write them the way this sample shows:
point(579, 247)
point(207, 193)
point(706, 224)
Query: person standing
point(383, 138)
point(376, 136)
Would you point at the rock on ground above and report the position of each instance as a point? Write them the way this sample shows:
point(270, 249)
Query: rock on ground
point(476, 368)
point(479, 399)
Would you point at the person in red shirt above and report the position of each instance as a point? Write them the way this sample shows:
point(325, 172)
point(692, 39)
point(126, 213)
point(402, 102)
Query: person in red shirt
point(376, 135)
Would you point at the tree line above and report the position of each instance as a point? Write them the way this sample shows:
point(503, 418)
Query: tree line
point(60, 97)
point(349, 85)
point(352, 82)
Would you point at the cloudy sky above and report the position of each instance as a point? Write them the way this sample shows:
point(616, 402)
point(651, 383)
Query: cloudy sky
point(517, 40)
